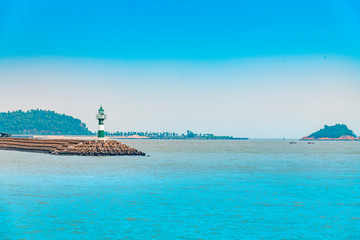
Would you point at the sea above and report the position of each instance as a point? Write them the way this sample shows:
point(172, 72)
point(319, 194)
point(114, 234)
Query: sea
point(185, 189)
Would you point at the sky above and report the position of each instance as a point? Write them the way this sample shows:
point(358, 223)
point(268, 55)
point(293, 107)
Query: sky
point(259, 69)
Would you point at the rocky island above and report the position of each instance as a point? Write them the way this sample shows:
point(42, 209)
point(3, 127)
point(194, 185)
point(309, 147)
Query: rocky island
point(338, 132)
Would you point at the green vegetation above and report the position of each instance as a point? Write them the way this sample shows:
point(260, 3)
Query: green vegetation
point(173, 135)
point(335, 131)
point(41, 122)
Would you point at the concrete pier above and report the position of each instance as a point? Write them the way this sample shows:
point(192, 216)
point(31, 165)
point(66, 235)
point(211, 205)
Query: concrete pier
point(68, 147)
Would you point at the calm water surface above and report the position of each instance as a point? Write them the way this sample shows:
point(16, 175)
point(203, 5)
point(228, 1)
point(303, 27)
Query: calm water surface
point(258, 189)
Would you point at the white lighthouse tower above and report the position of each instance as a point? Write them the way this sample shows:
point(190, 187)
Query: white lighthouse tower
point(101, 117)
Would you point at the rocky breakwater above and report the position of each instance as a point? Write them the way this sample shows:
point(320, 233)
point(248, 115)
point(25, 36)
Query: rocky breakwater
point(68, 147)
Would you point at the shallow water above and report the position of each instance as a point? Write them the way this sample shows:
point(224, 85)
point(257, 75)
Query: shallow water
point(257, 189)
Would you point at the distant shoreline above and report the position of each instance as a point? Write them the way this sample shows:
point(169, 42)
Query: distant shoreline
point(94, 137)
point(137, 137)
point(342, 138)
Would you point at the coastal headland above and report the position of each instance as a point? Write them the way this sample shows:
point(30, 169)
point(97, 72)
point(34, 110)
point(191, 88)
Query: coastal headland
point(338, 132)
point(68, 147)
point(342, 138)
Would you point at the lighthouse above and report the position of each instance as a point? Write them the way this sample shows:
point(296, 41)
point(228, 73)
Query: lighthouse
point(101, 117)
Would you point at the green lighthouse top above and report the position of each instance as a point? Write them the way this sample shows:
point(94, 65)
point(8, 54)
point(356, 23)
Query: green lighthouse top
point(101, 110)
point(101, 116)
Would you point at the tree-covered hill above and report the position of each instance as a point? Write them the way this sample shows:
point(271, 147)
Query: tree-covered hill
point(335, 131)
point(44, 122)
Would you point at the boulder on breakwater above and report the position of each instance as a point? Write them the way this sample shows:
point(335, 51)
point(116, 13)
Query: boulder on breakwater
point(68, 147)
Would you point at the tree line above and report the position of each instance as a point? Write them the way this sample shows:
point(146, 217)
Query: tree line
point(168, 135)
point(41, 122)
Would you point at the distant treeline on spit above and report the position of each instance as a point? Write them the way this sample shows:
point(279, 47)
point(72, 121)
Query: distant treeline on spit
point(45, 122)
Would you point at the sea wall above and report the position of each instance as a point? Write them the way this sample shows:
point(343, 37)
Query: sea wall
point(68, 147)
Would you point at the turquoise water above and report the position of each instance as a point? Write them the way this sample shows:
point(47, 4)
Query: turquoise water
point(258, 189)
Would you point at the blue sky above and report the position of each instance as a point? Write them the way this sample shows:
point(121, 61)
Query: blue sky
point(205, 30)
point(245, 68)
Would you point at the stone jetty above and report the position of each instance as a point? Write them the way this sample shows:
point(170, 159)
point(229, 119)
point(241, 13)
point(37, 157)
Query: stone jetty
point(68, 147)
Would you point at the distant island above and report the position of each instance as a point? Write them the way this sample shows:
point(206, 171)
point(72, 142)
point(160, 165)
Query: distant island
point(338, 132)
point(41, 122)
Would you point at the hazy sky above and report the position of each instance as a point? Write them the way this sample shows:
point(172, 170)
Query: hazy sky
point(259, 69)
